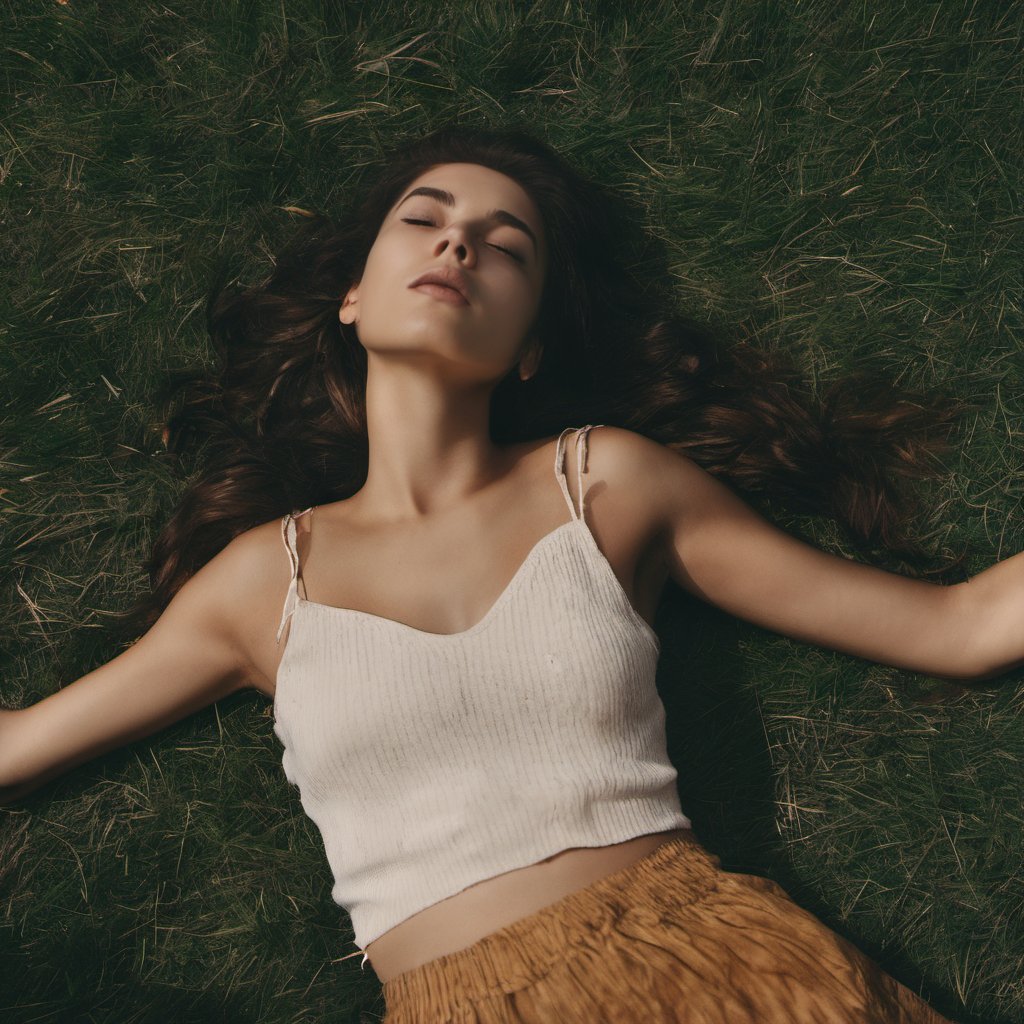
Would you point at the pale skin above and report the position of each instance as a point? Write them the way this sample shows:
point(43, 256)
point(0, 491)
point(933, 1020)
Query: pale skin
point(437, 487)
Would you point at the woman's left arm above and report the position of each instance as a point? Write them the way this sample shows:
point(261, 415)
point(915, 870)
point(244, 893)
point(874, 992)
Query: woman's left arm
point(721, 550)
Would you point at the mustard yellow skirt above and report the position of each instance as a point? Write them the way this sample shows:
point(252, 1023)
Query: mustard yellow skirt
point(670, 939)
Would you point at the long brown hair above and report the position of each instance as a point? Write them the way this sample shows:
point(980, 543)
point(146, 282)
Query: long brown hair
point(282, 421)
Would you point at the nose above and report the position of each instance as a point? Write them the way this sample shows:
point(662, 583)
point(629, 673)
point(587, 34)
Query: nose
point(459, 240)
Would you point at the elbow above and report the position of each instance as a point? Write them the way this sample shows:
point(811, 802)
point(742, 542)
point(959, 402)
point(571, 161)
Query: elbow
point(980, 634)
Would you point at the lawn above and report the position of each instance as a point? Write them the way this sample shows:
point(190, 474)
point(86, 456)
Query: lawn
point(845, 179)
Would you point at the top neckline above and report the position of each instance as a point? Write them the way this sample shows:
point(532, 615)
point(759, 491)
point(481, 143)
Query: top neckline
point(503, 597)
point(469, 631)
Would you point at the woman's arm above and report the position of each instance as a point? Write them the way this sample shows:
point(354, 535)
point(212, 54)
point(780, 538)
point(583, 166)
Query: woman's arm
point(996, 607)
point(190, 657)
point(721, 550)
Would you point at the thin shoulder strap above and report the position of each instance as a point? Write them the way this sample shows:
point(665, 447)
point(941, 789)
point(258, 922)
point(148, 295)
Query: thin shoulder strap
point(288, 536)
point(581, 464)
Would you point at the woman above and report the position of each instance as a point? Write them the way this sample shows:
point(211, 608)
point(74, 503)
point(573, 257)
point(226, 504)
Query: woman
point(462, 672)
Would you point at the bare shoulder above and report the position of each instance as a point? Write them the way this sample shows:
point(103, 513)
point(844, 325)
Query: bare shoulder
point(257, 573)
point(655, 486)
point(620, 449)
point(617, 506)
point(635, 463)
point(233, 596)
point(234, 592)
point(246, 562)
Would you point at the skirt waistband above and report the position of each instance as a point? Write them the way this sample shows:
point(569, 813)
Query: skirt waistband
point(678, 872)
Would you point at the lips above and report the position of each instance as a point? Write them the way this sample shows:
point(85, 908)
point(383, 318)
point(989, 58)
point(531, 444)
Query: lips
point(445, 277)
point(442, 293)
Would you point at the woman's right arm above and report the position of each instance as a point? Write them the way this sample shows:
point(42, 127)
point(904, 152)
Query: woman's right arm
point(193, 655)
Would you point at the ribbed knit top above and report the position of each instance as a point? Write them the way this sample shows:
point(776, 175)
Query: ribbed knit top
point(432, 761)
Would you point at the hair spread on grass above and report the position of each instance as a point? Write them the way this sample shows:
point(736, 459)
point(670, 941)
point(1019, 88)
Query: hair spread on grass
point(282, 418)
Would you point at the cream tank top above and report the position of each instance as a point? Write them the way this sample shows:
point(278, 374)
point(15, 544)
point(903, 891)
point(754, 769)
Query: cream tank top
point(432, 761)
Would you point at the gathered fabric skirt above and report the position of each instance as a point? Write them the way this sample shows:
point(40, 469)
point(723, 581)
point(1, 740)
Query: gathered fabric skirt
point(670, 939)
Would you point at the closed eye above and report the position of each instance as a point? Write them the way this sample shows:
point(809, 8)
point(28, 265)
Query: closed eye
point(430, 223)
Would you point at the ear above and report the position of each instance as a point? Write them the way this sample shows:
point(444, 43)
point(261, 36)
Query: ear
point(349, 305)
point(530, 359)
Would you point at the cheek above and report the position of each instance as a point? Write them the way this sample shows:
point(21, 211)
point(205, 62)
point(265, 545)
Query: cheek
point(530, 293)
point(384, 272)
point(380, 257)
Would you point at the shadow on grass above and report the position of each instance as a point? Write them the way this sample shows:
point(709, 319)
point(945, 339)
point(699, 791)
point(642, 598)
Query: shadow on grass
point(717, 741)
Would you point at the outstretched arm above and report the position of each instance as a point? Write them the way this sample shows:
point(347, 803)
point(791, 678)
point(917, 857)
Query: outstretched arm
point(191, 657)
point(721, 550)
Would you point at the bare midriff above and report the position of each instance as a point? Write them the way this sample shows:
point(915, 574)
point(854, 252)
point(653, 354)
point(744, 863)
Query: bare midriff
point(460, 920)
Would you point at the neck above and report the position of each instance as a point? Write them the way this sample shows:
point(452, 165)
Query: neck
point(429, 443)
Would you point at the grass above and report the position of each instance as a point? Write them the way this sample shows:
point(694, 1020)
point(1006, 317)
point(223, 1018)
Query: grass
point(845, 178)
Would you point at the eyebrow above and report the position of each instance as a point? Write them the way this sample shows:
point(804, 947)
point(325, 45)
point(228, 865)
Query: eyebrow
point(501, 216)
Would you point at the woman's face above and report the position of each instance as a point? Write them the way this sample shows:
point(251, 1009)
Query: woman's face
point(475, 221)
